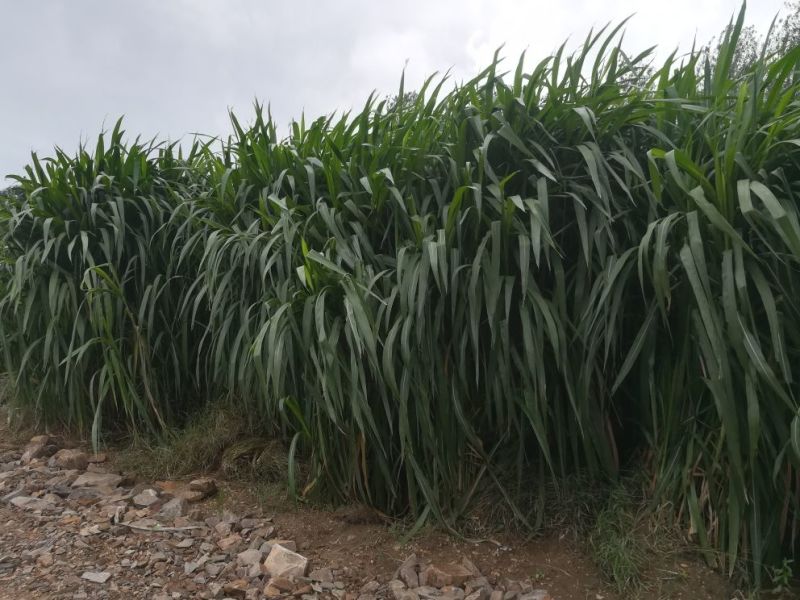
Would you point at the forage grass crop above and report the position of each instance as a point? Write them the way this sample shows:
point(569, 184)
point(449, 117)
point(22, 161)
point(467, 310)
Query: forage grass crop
point(562, 269)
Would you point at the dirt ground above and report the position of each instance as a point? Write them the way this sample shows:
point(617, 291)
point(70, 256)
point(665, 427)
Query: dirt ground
point(558, 564)
point(357, 547)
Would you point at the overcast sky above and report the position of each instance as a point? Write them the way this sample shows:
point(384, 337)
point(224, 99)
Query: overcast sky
point(174, 67)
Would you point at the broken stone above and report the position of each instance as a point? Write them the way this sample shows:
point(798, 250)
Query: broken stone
point(156, 557)
point(70, 459)
point(205, 485)
point(229, 543)
point(288, 544)
point(252, 594)
point(229, 517)
point(284, 584)
point(190, 567)
point(36, 448)
point(86, 496)
point(96, 576)
point(20, 491)
point(474, 584)
point(248, 523)
point(409, 576)
point(32, 504)
point(101, 480)
point(411, 562)
point(45, 560)
point(192, 497)
point(249, 558)
point(283, 562)
point(185, 543)
point(450, 592)
point(236, 589)
point(325, 575)
point(536, 595)
point(145, 498)
point(368, 588)
point(173, 509)
point(470, 566)
point(264, 532)
point(450, 575)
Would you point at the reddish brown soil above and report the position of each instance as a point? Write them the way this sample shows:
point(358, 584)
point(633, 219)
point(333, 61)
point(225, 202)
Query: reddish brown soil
point(373, 550)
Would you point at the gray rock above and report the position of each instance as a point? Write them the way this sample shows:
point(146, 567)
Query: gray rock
point(223, 529)
point(145, 498)
point(33, 504)
point(282, 562)
point(452, 593)
point(96, 576)
point(536, 595)
point(20, 491)
point(409, 576)
point(477, 583)
point(288, 544)
point(411, 562)
point(173, 509)
point(249, 558)
point(102, 480)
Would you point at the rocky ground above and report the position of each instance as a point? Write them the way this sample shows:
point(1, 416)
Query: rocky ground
point(73, 527)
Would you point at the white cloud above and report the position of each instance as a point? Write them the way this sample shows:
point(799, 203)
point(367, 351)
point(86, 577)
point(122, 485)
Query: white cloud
point(175, 67)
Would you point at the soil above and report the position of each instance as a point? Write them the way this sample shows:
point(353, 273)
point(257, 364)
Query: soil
point(358, 547)
point(555, 563)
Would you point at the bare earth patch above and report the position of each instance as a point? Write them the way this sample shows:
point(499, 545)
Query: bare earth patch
point(73, 527)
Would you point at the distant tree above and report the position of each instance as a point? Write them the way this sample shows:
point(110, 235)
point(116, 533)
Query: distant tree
point(408, 98)
point(784, 35)
point(12, 191)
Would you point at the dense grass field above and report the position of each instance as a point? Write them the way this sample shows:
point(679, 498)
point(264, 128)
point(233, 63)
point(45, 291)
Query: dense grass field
point(581, 267)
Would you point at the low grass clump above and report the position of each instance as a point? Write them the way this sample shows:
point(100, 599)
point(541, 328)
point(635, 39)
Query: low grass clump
point(616, 542)
point(564, 269)
point(218, 439)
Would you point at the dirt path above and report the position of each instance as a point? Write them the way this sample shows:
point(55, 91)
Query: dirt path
point(69, 529)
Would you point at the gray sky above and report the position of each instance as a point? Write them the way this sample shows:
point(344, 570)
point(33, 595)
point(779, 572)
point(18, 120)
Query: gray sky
point(174, 67)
